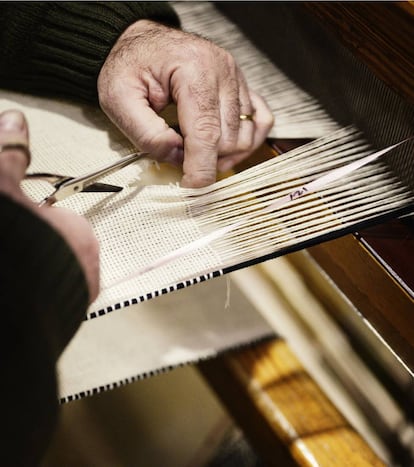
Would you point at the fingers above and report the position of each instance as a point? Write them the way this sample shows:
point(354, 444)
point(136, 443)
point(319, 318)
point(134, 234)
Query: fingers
point(252, 132)
point(209, 109)
point(244, 137)
point(263, 119)
point(149, 66)
point(14, 141)
point(246, 130)
point(211, 94)
point(127, 105)
point(198, 108)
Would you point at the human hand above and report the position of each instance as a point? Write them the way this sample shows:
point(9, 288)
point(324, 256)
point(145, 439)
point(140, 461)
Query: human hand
point(151, 65)
point(73, 228)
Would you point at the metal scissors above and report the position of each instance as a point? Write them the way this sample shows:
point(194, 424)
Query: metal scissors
point(66, 186)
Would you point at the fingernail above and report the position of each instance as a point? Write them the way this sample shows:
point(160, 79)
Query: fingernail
point(12, 120)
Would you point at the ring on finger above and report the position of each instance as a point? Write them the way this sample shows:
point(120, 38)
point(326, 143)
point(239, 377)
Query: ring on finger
point(24, 148)
point(244, 117)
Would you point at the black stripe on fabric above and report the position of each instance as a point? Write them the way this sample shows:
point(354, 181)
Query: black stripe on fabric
point(151, 295)
point(165, 369)
point(299, 246)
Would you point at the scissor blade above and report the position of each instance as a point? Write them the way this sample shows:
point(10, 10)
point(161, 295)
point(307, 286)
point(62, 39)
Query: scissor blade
point(88, 179)
point(79, 184)
point(62, 192)
point(53, 179)
point(102, 188)
point(58, 180)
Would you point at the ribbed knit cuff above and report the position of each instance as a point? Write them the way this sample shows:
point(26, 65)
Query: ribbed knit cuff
point(40, 277)
point(58, 48)
point(43, 299)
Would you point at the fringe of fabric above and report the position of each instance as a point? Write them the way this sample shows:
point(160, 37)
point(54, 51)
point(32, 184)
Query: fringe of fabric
point(238, 222)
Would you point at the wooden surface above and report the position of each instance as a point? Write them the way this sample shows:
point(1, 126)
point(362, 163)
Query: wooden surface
point(381, 34)
point(368, 284)
point(284, 413)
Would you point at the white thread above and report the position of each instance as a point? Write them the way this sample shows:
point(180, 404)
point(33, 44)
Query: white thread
point(274, 205)
point(228, 288)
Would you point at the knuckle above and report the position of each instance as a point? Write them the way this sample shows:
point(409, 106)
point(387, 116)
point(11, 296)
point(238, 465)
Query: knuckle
point(227, 147)
point(197, 51)
point(268, 120)
point(229, 61)
point(232, 112)
point(230, 144)
point(159, 144)
point(202, 178)
point(208, 129)
point(189, 52)
point(152, 142)
point(14, 159)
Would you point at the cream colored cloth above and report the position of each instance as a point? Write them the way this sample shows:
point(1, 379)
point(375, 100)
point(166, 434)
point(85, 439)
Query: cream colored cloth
point(148, 219)
point(151, 216)
point(134, 226)
point(146, 338)
point(176, 328)
point(154, 336)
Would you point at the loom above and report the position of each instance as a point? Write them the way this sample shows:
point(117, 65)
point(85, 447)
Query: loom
point(322, 95)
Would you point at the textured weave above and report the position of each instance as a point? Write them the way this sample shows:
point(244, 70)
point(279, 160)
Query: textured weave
point(146, 338)
point(148, 219)
point(132, 226)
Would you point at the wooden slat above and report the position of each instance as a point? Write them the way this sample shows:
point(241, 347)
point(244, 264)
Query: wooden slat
point(381, 34)
point(268, 380)
point(342, 447)
point(373, 291)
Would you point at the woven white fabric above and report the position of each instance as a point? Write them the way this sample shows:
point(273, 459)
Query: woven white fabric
point(148, 220)
point(146, 338)
point(157, 335)
point(152, 216)
point(134, 226)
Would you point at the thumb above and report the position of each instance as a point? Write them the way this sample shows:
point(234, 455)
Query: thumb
point(129, 109)
point(14, 141)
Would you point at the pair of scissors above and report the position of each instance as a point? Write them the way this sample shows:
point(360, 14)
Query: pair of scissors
point(66, 186)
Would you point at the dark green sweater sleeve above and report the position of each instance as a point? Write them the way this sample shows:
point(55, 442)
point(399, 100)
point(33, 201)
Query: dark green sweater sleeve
point(58, 48)
point(43, 300)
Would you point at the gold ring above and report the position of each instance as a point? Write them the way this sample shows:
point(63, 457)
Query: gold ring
point(244, 117)
point(17, 147)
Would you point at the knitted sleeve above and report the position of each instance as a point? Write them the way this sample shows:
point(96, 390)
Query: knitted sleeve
point(43, 299)
point(58, 48)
